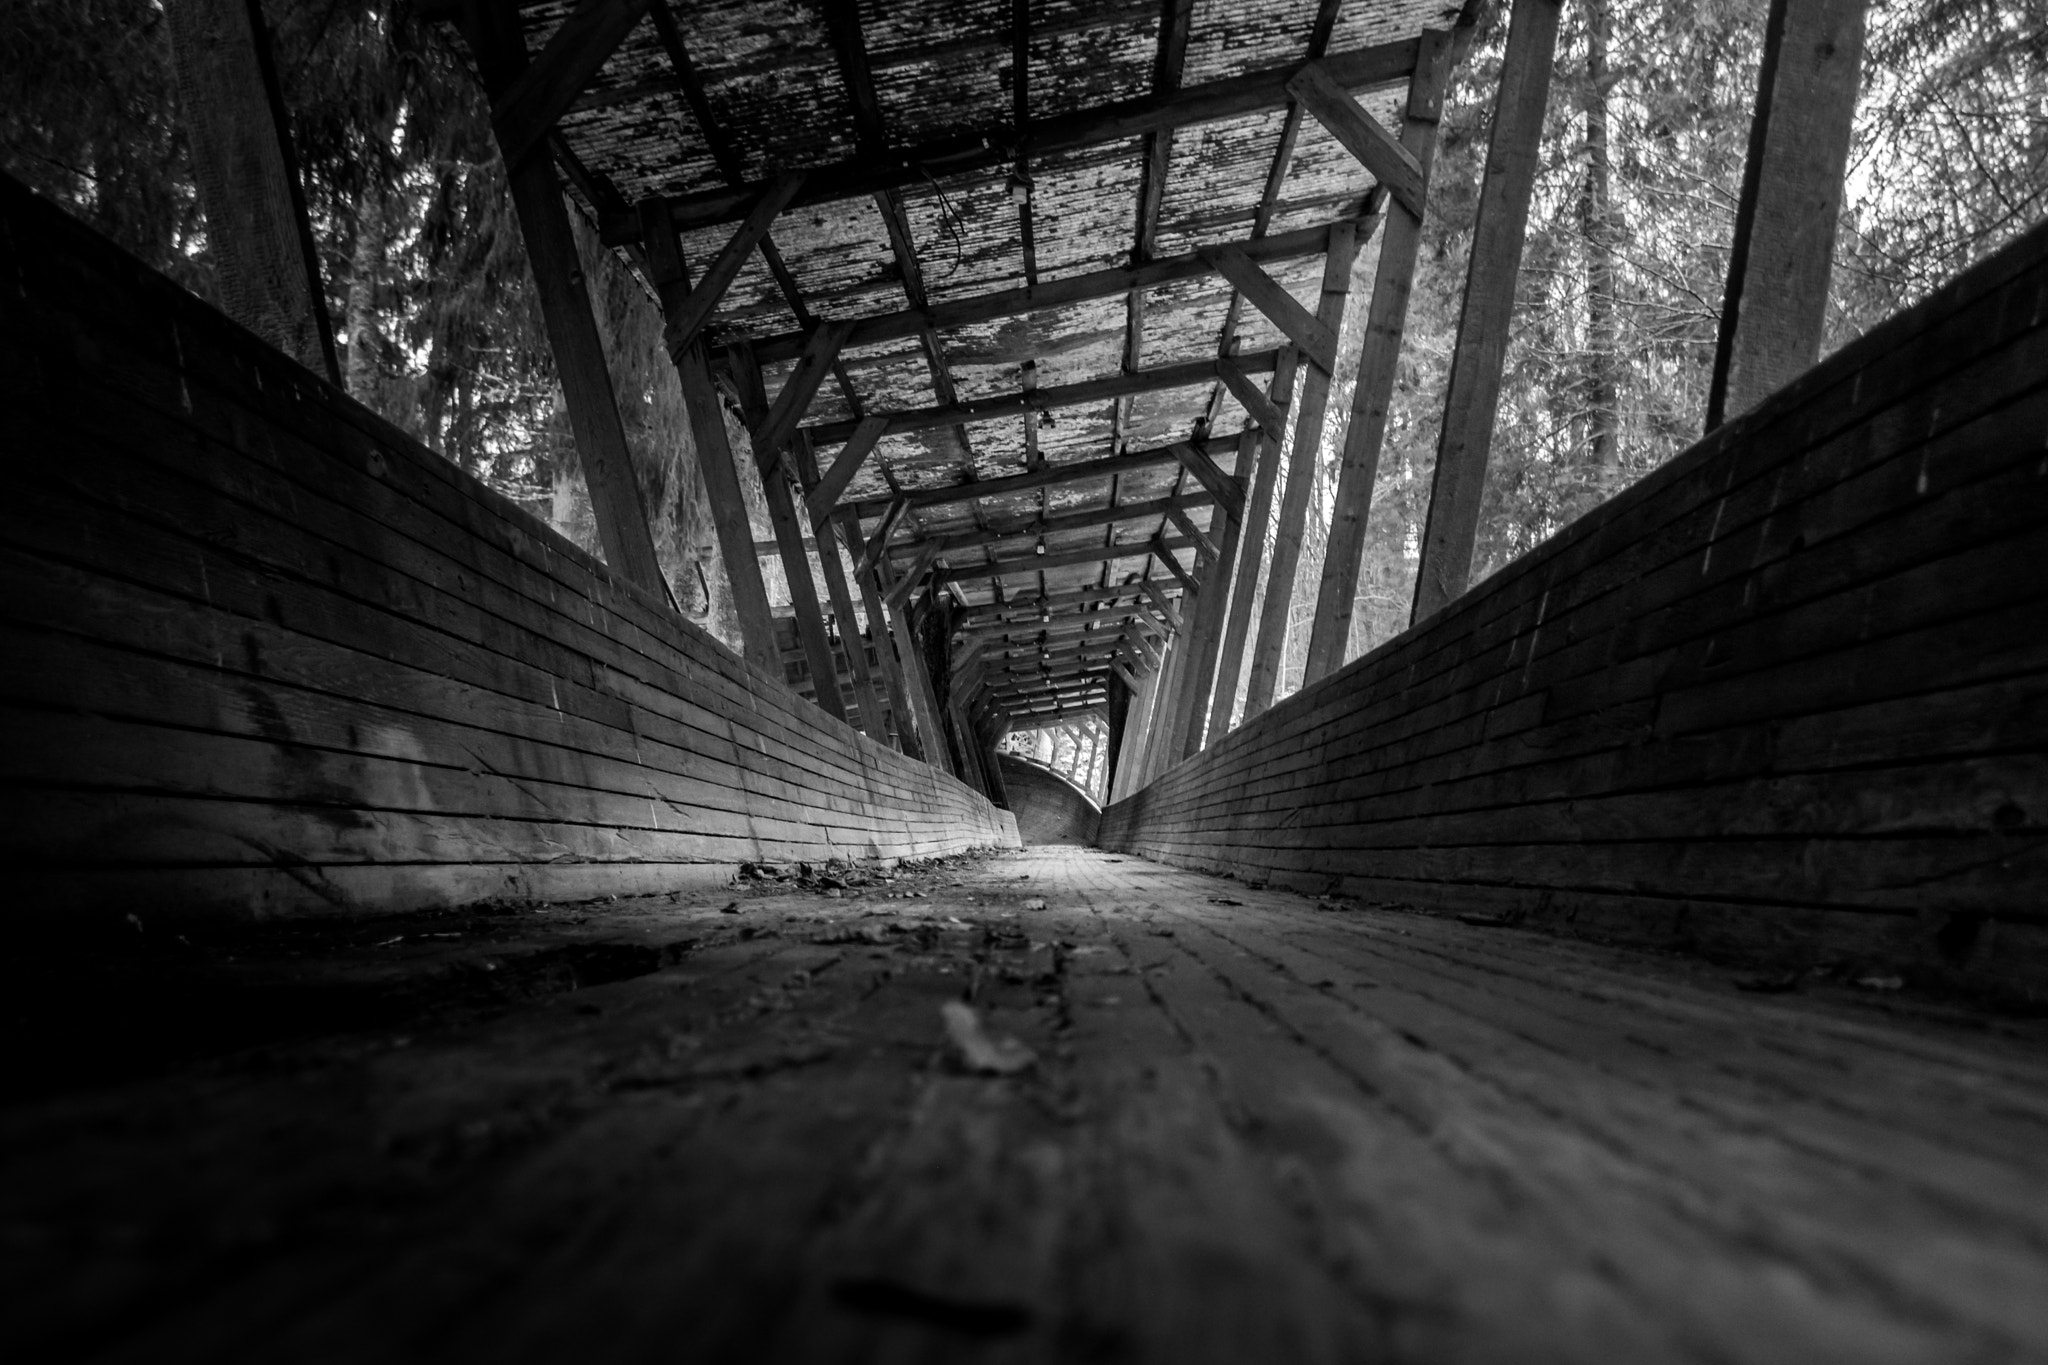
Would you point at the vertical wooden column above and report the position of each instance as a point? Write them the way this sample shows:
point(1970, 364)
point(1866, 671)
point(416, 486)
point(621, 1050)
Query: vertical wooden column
point(924, 703)
point(1379, 359)
point(572, 330)
point(1159, 736)
point(664, 261)
point(1776, 300)
point(1117, 714)
point(1271, 639)
point(1473, 395)
point(1137, 733)
point(1251, 553)
point(880, 630)
point(1212, 609)
point(834, 571)
point(789, 539)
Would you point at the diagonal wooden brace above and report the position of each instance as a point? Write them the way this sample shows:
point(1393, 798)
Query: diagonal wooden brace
point(1376, 149)
point(1316, 338)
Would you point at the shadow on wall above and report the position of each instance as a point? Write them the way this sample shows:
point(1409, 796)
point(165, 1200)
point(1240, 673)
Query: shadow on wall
point(1049, 808)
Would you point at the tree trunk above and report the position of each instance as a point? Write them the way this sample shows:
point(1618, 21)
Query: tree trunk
point(1596, 222)
point(255, 218)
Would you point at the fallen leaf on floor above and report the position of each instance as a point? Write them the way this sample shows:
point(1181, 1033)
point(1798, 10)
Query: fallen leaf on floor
point(729, 908)
point(1035, 903)
point(1881, 983)
point(1223, 900)
point(979, 1052)
point(1485, 921)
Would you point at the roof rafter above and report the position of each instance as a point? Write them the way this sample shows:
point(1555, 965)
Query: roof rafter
point(992, 148)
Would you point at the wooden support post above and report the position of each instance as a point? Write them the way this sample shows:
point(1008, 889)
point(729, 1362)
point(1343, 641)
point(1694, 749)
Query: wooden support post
point(880, 632)
point(789, 540)
point(1271, 638)
point(917, 677)
point(1122, 695)
point(1380, 358)
point(1251, 554)
point(1211, 614)
point(1791, 197)
point(572, 330)
point(1481, 350)
point(664, 261)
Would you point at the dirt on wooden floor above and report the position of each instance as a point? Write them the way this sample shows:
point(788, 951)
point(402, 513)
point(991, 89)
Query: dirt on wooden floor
point(1044, 1106)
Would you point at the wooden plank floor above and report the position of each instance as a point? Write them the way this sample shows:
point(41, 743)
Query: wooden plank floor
point(1257, 1129)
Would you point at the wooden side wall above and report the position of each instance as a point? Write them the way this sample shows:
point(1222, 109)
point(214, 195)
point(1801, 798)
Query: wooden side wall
point(1049, 809)
point(263, 653)
point(1786, 698)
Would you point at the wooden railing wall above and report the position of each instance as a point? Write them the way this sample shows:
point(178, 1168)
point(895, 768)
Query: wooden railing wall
point(263, 653)
point(1784, 699)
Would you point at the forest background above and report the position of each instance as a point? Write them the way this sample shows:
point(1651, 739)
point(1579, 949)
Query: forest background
point(1614, 328)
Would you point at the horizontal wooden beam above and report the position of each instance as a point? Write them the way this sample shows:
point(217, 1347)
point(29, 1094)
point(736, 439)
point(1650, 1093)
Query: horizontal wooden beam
point(905, 323)
point(1027, 608)
point(998, 146)
point(1065, 560)
point(1184, 375)
point(1070, 623)
point(1046, 476)
point(1150, 509)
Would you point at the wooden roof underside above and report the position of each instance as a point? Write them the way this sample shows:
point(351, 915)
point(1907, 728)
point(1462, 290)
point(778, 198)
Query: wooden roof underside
point(1144, 131)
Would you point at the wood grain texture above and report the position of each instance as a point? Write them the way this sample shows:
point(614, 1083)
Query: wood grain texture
point(1774, 701)
point(1255, 1127)
point(267, 655)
